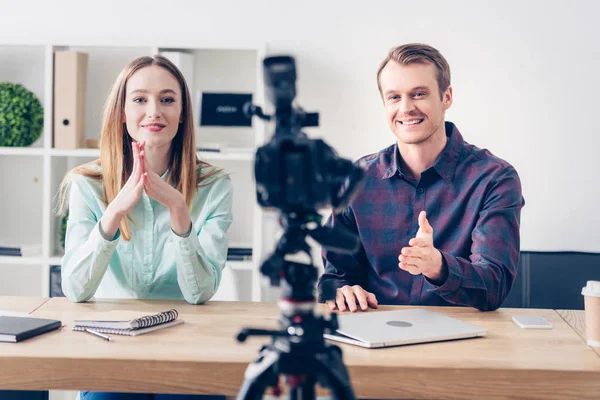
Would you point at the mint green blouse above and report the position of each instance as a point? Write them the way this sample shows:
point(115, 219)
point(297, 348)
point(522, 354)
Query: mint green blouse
point(156, 263)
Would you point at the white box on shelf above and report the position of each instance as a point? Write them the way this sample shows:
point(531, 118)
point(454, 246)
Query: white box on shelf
point(185, 63)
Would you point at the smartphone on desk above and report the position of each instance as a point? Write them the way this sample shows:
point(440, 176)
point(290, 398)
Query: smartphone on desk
point(531, 322)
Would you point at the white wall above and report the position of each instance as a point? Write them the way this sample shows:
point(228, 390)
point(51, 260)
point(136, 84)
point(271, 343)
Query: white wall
point(526, 76)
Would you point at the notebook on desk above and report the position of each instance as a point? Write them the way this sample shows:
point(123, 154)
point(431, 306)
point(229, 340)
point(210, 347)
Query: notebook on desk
point(16, 329)
point(128, 323)
point(400, 327)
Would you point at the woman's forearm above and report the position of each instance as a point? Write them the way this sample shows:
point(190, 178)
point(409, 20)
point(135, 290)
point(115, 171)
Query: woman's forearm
point(180, 219)
point(110, 221)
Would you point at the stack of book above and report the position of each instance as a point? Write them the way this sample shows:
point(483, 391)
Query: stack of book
point(22, 251)
point(239, 254)
point(218, 148)
point(10, 251)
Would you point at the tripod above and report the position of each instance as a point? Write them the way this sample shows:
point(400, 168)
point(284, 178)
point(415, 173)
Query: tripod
point(297, 351)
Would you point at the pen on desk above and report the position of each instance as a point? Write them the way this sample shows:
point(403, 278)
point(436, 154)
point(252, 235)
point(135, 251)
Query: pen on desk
point(107, 338)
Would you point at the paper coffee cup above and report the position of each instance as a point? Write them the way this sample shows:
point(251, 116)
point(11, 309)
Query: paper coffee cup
point(591, 293)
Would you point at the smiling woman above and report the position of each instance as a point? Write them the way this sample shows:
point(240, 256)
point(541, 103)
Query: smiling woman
point(147, 220)
point(147, 189)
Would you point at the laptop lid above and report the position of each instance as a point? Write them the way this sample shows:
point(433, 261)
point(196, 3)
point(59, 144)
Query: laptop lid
point(400, 327)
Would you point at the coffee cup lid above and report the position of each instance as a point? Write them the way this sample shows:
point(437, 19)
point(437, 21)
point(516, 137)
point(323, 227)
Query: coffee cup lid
point(591, 289)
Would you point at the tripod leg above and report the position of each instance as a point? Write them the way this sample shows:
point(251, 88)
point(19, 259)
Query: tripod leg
point(334, 374)
point(301, 388)
point(259, 375)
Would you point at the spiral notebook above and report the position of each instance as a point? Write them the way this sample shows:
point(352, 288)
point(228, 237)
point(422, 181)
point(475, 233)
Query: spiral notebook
point(129, 323)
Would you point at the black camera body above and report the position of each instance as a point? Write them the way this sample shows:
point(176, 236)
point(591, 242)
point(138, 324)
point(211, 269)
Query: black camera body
point(294, 173)
point(297, 174)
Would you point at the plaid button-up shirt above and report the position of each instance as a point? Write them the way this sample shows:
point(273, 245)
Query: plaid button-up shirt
point(473, 201)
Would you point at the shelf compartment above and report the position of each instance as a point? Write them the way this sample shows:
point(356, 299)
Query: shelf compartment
point(21, 281)
point(21, 213)
point(26, 67)
point(221, 71)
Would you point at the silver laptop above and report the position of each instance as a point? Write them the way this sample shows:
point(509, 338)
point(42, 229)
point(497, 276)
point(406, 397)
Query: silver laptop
point(394, 328)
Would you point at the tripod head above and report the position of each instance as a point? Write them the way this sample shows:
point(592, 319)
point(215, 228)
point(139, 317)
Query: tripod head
point(298, 176)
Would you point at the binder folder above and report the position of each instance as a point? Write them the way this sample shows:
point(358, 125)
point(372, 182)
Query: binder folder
point(70, 73)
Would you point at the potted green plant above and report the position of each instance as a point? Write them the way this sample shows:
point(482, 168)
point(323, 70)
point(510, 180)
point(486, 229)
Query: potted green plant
point(21, 116)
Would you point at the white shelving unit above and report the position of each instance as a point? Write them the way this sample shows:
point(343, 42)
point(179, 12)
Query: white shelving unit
point(30, 176)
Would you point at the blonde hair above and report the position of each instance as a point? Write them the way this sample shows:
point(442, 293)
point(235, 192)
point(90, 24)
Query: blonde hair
point(116, 156)
point(418, 53)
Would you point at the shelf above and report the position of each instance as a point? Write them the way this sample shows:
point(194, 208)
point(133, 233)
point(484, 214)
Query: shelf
point(75, 153)
point(54, 260)
point(235, 265)
point(205, 155)
point(21, 151)
point(241, 265)
point(10, 260)
point(224, 155)
point(95, 153)
point(39, 151)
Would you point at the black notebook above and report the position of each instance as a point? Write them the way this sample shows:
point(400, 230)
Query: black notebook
point(16, 329)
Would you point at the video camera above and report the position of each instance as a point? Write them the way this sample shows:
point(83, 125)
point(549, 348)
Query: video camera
point(298, 176)
point(294, 173)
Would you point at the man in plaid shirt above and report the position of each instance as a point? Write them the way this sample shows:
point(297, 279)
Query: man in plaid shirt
point(438, 218)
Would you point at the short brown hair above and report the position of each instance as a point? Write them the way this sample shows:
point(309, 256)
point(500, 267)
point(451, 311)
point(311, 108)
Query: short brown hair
point(418, 53)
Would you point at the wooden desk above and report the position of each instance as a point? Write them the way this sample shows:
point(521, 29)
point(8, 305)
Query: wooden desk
point(21, 304)
point(202, 356)
point(576, 320)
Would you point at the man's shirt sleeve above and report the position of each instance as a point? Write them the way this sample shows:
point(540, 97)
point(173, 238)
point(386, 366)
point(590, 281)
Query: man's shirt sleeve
point(342, 269)
point(485, 279)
